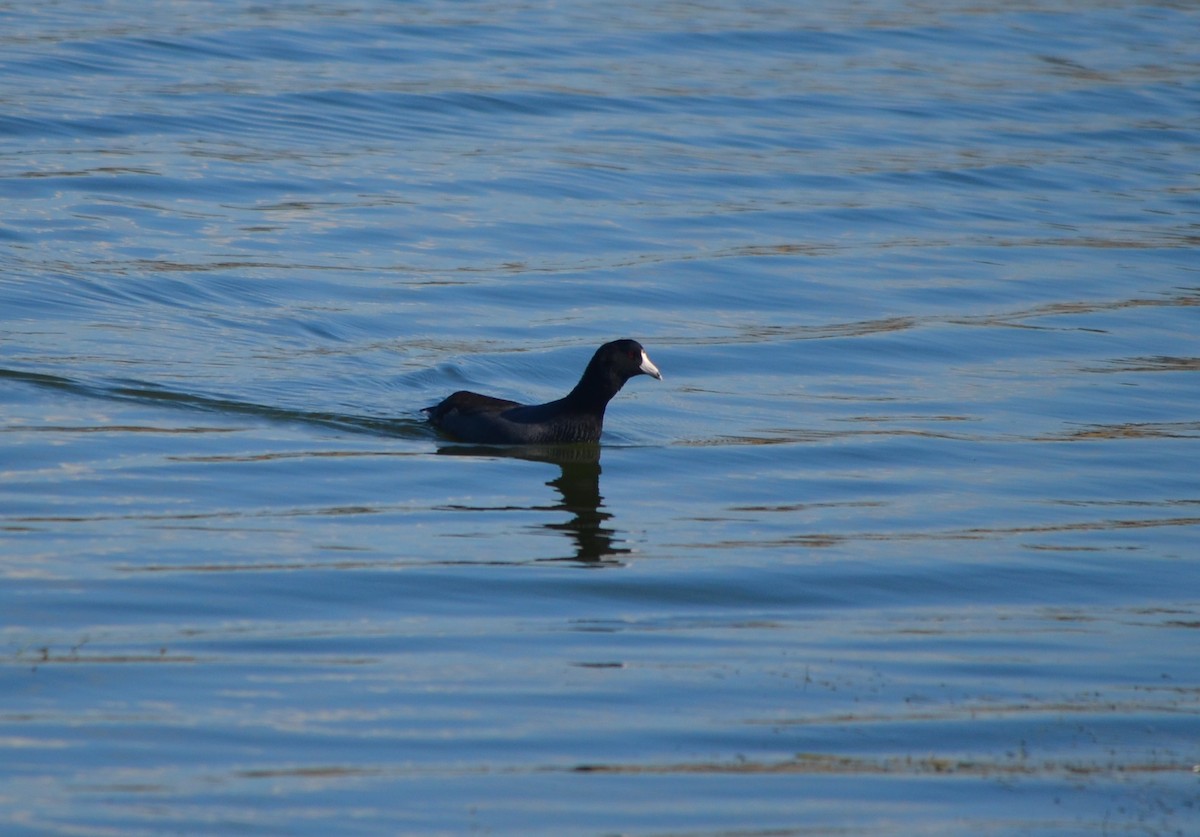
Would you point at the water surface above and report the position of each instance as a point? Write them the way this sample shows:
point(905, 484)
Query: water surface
point(905, 542)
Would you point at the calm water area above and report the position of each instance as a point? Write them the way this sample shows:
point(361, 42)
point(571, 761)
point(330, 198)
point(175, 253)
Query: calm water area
point(907, 541)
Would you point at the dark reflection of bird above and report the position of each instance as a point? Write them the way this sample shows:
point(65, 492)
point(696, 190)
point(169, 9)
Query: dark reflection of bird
point(595, 541)
point(576, 417)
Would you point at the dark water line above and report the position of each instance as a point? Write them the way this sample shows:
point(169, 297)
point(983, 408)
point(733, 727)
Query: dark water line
point(145, 393)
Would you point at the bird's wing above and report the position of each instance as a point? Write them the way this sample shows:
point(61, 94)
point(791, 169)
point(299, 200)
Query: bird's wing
point(469, 403)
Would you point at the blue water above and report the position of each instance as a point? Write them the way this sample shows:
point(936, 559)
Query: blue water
point(906, 542)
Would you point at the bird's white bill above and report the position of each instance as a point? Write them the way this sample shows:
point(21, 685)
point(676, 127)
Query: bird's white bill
point(648, 367)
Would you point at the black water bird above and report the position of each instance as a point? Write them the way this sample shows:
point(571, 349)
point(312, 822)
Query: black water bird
point(576, 417)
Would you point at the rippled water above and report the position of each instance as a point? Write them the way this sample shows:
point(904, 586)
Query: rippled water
point(905, 542)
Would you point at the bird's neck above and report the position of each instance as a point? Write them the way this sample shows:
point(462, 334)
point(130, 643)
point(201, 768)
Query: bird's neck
point(594, 390)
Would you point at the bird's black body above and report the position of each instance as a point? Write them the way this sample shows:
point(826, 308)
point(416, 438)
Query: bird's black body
point(576, 417)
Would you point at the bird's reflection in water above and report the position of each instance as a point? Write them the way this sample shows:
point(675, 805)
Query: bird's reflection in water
point(579, 487)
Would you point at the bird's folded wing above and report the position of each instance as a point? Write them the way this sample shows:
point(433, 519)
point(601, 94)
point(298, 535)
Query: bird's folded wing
point(469, 403)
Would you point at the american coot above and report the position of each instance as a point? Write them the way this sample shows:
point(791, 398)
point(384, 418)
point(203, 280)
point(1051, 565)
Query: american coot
point(576, 417)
